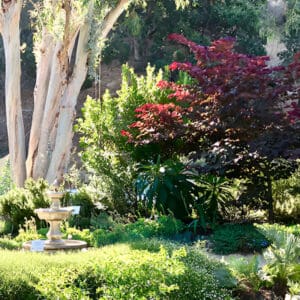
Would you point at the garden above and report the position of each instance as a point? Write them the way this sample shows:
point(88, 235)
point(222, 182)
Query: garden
point(187, 176)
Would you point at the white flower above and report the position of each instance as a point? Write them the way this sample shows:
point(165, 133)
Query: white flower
point(162, 170)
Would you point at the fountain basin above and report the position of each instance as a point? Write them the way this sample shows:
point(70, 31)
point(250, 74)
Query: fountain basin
point(62, 245)
point(50, 214)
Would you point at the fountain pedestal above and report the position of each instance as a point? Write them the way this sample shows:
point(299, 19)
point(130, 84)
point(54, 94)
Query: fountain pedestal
point(54, 216)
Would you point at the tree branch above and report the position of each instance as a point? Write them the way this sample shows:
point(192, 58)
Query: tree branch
point(112, 17)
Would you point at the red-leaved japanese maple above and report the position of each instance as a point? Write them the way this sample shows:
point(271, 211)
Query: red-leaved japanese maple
point(234, 98)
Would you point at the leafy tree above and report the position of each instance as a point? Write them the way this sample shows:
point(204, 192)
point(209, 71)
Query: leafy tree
point(144, 29)
point(290, 30)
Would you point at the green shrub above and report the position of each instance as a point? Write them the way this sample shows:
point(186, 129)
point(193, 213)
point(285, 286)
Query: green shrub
point(114, 272)
point(143, 228)
point(9, 244)
point(247, 271)
point(234, 238)
point(87, 208)
point(101, 237)
point(37, 191)
point(202, 279)
point(164, 226)
point(76, 234)
point(287, 198)
point(18, 204)
point(167, 187)
point(105, 152)
point(15, 207)
point(269, 228)
point(282, 260)
point(215, 193)
point(28, 232)
point(102, 221)
point(43, 231)
point(5, 179)
point(169, 226)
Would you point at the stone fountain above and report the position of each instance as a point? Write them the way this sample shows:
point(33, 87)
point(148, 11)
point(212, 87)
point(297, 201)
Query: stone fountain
point(54, 216)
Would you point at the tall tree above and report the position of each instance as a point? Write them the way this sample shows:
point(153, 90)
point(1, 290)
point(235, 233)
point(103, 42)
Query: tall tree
point(67, 38)
point(9, 27)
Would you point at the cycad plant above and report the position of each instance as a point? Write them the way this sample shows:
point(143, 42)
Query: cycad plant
point(215, 193)
point(168, 187)
point(282, 260)
point(247, 271)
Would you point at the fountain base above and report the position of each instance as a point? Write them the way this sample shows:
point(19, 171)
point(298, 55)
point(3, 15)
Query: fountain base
point(61, 245)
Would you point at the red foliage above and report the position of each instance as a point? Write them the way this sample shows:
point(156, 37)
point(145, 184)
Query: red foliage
point(236, 97)
point(156, 120)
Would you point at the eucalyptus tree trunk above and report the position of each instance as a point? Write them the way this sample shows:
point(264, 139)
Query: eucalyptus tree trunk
point(57, 89)
point(9, 26)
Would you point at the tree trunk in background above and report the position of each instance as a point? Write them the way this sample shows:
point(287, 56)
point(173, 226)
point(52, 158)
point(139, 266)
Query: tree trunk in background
point(9, 26)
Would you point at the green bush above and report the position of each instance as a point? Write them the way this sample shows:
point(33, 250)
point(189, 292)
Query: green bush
point(282, 260)
point(105, 152)
point(114, 272)
point(144, 228)
point(37, 191)
point(28, 232)
point(18, 204)
point(167, 187)
point(164, 226)
point(287, 198)
point(9, 244)
point(102, 221)
point(275, 228)
point(76, 234)
point(14, 208)
point(169, 226)
point(234, 238)
point(87, 208)
point(247, 271)
point(101, 237)
point(5, 179)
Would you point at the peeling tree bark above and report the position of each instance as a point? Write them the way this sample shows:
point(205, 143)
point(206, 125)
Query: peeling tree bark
point(63, 142)
point(10, 20)
point(40, 93)
point(40, 152)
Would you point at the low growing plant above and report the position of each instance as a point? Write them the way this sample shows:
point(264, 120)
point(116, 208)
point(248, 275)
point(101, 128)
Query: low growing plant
point(248, 272)
point(9, 244)
point(238, 238)
point(282, 260)
point(112, 272)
